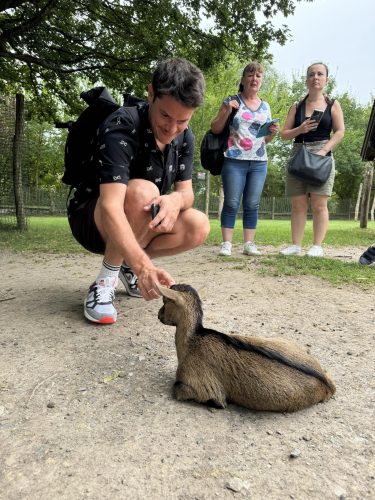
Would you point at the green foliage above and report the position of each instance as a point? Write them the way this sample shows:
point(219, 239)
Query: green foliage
point(349, 164)
point(44, 155)
point(47, 47)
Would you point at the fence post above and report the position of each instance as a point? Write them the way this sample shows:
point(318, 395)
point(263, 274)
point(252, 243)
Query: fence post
point(17, 168)
point(356, 211)
point(207, 194)
point(273, 208)
point(221, 200)
point(365, 205)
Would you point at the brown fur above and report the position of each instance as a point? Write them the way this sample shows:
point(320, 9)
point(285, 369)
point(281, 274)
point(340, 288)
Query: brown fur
point(258, 373)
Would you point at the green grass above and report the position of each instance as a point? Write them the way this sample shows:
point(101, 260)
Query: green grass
point(277, 233)
point(52, 235)
point(336, 272)
point(44, 234)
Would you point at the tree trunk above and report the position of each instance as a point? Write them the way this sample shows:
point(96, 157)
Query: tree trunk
point(221, 200)
point(356, 211)
point(365, 205)
point(17, 169)
point(207, 195)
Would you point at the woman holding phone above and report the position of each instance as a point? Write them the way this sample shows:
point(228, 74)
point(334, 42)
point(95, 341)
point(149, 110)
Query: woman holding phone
point(245, 164)
point(312, 122)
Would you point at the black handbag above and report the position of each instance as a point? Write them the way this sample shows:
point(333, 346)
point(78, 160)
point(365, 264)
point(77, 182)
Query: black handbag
point(213, 147)
point(310, 167)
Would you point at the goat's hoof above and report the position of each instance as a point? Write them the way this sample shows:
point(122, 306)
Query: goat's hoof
point(213, 403)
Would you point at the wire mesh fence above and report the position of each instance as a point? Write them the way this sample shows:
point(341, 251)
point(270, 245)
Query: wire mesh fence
point(7, 123)
point(44, 202)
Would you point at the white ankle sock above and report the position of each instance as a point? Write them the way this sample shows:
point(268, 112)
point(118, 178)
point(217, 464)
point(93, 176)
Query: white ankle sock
point(108, 271)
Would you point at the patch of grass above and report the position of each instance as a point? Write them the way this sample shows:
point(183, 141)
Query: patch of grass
point(332, 270)
point(44, 234)
point(277, 233)
point(53, 235)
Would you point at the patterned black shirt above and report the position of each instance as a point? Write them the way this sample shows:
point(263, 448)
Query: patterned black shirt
point(125, 151)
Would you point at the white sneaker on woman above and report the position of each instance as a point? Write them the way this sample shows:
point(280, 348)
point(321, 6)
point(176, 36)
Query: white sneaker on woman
point(250, 248)
point(226, 249)
point(315, 251)
point(291, 250)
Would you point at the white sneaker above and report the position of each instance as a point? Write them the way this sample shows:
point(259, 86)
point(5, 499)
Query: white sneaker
point(291, 250)
point(315, 251)
point(226, 249)
point(98, 305)
point(250, 248)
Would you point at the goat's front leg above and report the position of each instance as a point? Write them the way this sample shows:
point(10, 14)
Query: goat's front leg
point(184, 392)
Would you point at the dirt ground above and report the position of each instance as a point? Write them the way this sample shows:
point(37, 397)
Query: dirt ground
point(86, 411)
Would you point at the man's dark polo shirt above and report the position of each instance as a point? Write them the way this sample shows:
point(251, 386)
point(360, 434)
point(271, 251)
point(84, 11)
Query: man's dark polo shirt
point(125, 151)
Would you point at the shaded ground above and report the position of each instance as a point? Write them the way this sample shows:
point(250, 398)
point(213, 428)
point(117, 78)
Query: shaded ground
point(86, 411)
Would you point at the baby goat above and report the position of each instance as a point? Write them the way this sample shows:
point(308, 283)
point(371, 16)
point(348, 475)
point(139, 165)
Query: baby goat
point(258, 373)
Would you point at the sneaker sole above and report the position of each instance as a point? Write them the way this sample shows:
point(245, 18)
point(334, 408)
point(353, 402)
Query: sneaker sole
point(127, 289)
point(368, 264)
point(252, 254)
point(105, 320)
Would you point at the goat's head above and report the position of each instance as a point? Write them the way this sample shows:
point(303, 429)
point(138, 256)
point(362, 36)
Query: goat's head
point(179, 301)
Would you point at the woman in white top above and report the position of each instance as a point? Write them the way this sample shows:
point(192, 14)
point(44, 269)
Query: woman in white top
point(245, 164)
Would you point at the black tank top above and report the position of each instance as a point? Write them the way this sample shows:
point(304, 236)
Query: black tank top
point(324, 129)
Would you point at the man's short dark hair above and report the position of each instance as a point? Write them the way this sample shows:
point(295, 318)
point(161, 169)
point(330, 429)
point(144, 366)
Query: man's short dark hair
point(180, 79)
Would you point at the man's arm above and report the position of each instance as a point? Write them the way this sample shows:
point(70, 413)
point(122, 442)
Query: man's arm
point(121, 243)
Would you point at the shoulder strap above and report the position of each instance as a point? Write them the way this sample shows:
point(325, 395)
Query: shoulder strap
point(133, 111)
point(234, 110)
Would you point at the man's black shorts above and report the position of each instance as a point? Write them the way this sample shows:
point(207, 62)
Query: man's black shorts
point(84, 229)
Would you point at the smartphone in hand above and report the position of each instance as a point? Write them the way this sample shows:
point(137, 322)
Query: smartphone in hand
point(316, 115)
point(154, 210)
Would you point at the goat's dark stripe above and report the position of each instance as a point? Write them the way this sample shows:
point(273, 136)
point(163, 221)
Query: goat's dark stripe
point(263, 351)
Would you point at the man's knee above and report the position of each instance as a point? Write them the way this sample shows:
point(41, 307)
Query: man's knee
point(139, 192)
point(197, 226)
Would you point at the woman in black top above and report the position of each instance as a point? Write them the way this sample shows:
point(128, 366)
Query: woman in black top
point(318, 139)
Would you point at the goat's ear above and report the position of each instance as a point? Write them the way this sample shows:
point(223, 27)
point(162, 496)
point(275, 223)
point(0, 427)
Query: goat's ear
point(170, 294)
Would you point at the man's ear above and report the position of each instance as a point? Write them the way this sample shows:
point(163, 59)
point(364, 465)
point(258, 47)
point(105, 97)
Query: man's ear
point(150, 93)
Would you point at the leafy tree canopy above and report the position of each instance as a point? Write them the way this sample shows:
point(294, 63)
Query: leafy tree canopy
point(48, 46)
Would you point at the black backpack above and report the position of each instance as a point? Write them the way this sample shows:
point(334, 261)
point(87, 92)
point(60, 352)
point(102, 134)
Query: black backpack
point(213, 147)
point(82, 133)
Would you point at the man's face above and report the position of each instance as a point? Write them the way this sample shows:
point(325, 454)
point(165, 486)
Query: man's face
point(168, 117)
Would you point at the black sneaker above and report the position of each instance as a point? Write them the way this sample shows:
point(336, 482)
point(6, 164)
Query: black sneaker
point(130, 281)
point(368, 257)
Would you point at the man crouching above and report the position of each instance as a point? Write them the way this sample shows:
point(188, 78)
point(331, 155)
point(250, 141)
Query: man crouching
point(136, 165)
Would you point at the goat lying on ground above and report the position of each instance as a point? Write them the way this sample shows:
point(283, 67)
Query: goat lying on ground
point(258, 373)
